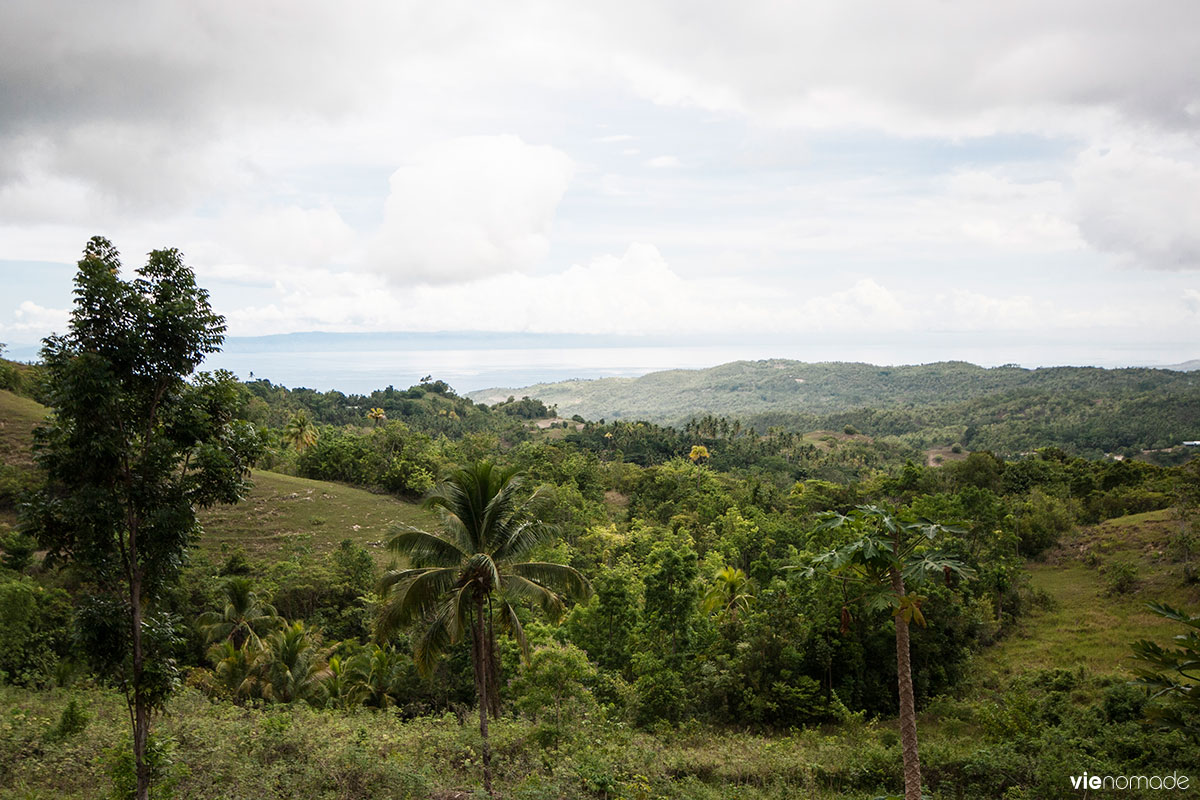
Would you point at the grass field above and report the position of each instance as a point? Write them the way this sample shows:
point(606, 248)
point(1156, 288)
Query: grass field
point(1088, 625)
point(18, 417)
point(284, 515)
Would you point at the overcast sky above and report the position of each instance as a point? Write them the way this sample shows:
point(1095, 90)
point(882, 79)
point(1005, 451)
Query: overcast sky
point(796, 172)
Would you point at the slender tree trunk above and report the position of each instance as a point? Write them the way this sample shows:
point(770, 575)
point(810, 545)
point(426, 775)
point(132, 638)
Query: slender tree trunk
point(493, 671)
point(482, 664)
point(141, 714)
point(908, 711)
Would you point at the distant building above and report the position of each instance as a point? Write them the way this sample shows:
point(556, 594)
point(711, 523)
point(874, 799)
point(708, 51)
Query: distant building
point(1191, 444)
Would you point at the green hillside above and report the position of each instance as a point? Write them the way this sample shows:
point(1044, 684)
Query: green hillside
point(284, 516)
point(1086, 623)
point(1009, 409)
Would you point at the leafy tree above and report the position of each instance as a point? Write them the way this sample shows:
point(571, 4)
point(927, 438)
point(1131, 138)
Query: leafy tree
point(886, 555)
point(475, 569)
point(132, 449)
point(553, 690)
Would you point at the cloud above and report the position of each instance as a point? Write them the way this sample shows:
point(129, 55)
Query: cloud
point(470, 207)
point(31, 321)
point(1141, 204)
point(663, 162)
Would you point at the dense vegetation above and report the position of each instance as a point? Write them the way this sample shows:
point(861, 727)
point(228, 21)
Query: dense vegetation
point(706, 663)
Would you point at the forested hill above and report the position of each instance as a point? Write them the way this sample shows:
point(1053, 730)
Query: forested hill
point(1140, 407)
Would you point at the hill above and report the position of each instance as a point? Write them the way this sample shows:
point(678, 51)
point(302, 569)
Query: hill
point(1008, 408)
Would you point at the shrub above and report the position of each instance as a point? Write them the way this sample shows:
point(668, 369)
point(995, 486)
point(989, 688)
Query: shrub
point(1121, 577)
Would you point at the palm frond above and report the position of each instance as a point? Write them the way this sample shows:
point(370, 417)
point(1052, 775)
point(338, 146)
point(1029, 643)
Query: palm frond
point(524, 589)
point(558, 577)
point(424, 549)
point(417, 593)
point(523, 538)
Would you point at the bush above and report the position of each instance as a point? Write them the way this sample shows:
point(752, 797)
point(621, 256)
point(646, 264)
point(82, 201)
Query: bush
point(73, 721)
point(1121, 577)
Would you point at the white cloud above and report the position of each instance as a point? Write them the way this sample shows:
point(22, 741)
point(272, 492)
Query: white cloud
point(31, 321)
point(1142, 204)
point(470, 207)
point(663, 162)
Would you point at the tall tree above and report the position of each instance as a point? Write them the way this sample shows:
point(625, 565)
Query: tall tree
point(473, 571)
point(132, 449)
point(886, 555)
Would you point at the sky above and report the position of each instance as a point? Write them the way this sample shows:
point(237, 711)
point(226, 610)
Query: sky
point(997, 182)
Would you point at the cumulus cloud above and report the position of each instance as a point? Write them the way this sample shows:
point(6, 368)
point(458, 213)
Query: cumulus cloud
point(470, 207)
point(32, 321)
point(1141, 204)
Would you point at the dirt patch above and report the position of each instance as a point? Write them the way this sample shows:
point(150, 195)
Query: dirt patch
point(936, 456)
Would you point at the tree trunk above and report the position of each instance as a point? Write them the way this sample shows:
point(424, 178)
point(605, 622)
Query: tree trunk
point(482, 664)
point(141, 714)
point(908, 712)
point(493, 664)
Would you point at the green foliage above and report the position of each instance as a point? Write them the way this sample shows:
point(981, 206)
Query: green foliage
point(74, 720)
point(1121, 577)
point(1173, 673)
point(17, 550)
point(553, 690)
point(33, 630)
point(165, 771)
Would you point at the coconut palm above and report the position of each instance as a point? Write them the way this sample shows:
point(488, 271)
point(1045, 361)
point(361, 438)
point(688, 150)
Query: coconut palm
point(243, 618)
point(300, 432)
point(294, 667)
point(236, 669)
point(730, 594)
point(474, 571)
point(376, 415)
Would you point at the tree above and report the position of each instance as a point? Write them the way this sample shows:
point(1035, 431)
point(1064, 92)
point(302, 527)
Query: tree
point(300, 432)
point(888, 554)
point(474, 571)
point(294, 667)
point(376, 415)
point(242, 619)
point(730, 594)
point(132, 449)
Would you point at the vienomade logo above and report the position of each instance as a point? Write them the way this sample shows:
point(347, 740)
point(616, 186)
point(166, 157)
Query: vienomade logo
point(1172, 781)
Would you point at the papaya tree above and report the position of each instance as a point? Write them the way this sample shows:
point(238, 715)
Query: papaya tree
point(887, 554)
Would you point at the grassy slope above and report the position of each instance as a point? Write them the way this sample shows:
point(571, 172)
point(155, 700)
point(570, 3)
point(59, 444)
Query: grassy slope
point(1086, 626)
point(18, 417)
point(284, 515)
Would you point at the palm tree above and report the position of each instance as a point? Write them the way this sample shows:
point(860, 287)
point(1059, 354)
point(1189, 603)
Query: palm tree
point(731, 593)
point(376, 415)
point(300, 432)
point(473, 571)
point(243, 619)
point(236, 669)
point(294, 667)
point(888, 554)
